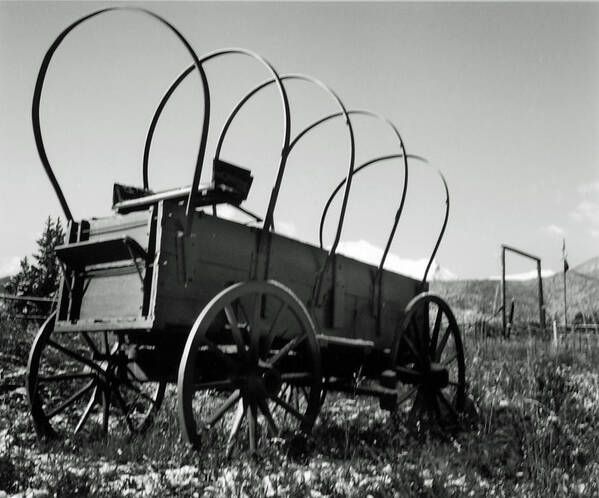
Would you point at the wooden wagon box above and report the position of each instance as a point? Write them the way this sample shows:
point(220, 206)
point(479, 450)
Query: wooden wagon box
point(137, 272)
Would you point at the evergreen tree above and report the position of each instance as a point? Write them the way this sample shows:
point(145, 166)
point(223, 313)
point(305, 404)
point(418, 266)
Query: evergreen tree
point(41, 278)
point(47, 269)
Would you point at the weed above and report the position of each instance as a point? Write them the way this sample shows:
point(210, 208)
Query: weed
point(531, 432)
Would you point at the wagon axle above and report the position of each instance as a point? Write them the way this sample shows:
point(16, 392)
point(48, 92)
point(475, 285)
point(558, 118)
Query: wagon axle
point(436, 376)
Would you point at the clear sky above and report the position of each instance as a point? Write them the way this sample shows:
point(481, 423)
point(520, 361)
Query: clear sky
point(502, 97)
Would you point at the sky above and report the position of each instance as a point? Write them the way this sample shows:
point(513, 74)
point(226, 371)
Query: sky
point(503, 98)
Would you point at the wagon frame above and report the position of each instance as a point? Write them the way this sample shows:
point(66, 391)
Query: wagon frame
point(166, 291)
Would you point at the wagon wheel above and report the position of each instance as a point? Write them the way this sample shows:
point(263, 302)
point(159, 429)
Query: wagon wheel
point(254, 346)
point(80, 382)
point(429, 360)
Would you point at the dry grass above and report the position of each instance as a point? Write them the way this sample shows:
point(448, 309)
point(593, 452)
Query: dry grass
point(534, 434)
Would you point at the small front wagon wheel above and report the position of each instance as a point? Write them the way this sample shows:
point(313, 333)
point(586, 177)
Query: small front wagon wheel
point(250, 347)
point(83, 383)
point(428, 357)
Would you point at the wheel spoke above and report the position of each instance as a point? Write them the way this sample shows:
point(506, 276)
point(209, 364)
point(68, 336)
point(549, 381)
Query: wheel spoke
point(243, 312)
point(106, 410)
point(71, 399)
point(449, 407)
point(406, 396)
point(449, 360)
point(135, 400)
point(436, 410)
point(239, 414)
point(91, 344)
point(252, 427)
point(286, 390)
point(287, 348)
point(257, 311)
point(230, 365)
point(133, 387)
point(443, 343)
point(218, 414)
point(295, 394)
point(422, 333)
point(125, 409)
point(134, 378)
point(273, 325)
point(75, 356)
point(272, 427)
point(87, 411)
point(107, 350)
point(323, 396)
point(237, 336)
point(284, 393)
point(290, 409)
point(65, 376)
point(255, 329)
point(436, 329)
point(415, 330)
point(416, 409)
point(413, 348)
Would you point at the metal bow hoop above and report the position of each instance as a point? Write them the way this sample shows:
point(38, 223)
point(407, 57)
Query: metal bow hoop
point(398, 214)
point(390, 240)
point(342, 182)
point(154, 123)
point(403, 155)
point(287, 147)
point(286, 115)
point(343, 112)
point(175, 84)
point(273, 198)
point(39, 84)
point(442, 232)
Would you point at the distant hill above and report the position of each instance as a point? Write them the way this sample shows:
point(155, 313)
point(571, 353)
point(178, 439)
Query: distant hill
point(472, 299)
point(589, 268)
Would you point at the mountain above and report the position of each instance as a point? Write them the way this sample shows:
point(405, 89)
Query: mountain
point(474, 299)
point(589, 268)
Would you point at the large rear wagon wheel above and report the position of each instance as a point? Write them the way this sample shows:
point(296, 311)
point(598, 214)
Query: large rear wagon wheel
point(251, 367)
point(84, 383)
point(428, 357)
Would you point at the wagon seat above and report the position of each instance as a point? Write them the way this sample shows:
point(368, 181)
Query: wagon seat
point(105, 257)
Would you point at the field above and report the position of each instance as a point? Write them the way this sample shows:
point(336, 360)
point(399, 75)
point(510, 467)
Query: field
point(530, 430)
point(475, 299)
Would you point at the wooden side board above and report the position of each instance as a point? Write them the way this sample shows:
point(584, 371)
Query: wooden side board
point(182, 273)
point(191, 271)
point(108, 290)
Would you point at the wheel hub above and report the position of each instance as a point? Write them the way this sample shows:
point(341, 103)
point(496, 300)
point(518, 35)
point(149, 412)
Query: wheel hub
point(260, 383)
point(437, 377)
